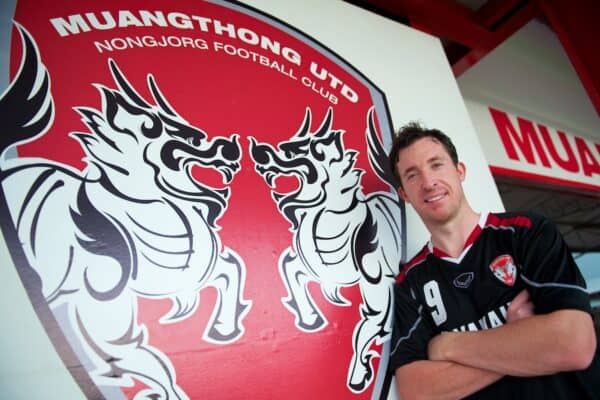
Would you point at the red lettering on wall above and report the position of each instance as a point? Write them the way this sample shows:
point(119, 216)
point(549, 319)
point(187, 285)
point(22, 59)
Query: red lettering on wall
point(538, 146)
point(570, 164)
point(588, 161)
point(523, 138)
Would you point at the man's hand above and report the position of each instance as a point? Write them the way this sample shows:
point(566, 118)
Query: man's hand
point(436, 346)
point(521, 307)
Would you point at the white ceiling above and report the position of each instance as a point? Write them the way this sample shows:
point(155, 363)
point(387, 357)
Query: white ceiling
point(530, 75)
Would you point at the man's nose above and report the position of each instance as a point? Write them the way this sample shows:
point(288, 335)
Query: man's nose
point(429, 181)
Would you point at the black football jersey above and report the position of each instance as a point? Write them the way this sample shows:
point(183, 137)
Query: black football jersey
point(504, 254)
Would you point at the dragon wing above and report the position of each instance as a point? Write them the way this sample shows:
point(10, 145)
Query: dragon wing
point(377, 154)
point(26, 107)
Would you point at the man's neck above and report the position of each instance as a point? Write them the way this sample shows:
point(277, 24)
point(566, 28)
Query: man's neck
point(452, 236)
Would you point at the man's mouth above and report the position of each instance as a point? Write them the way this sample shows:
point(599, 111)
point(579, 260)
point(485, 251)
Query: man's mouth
point(436, 198)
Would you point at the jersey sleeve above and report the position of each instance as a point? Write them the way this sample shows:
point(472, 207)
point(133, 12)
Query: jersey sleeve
point(549, 272)
point(411, 332)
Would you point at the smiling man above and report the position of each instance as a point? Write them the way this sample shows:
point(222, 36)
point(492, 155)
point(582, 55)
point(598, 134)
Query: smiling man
point(493, 306)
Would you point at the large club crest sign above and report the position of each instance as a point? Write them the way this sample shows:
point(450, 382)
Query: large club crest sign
point(197, 200)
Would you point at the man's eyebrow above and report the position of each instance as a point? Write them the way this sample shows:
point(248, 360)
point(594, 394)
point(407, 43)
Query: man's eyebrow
point(413, 168)
point(409, 169)
point(435, 158)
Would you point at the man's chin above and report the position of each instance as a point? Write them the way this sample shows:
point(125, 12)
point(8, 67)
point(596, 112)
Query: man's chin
point(438, 216)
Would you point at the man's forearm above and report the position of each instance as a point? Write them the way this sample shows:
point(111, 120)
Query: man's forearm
point(441, 380)
point(540, 345)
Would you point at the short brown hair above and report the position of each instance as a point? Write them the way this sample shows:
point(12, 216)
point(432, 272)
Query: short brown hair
point(410, 133)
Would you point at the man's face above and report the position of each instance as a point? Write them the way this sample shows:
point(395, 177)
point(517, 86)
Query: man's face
point(431, 182)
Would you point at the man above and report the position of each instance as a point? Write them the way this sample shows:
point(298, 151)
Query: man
point(493, 307)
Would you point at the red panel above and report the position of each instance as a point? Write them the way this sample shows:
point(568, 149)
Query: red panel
point(576, 23)
point(442, 18)
point(514, 23)
point(494, 11)
point(449, 20)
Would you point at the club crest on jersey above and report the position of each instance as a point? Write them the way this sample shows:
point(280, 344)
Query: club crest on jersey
point(504, 269)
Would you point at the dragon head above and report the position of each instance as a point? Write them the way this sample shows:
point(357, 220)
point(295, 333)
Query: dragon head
point(145, 151)
point(324, 169)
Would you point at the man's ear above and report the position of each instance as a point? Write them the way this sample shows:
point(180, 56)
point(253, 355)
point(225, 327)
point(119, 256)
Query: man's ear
point(462, 170)
point(403, 195)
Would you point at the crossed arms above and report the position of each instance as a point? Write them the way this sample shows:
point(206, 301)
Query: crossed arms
point(461, 363)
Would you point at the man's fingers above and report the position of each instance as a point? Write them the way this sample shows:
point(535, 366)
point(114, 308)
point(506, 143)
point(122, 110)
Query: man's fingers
point(521, 298)
point(526, 310)
point(520, 307)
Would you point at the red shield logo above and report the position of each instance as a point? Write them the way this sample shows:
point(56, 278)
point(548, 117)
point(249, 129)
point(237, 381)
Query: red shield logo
point(199, 202)
point(504, 269)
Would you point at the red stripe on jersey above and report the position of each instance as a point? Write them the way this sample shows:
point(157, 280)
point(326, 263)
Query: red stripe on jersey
point(470, 240)
point(439, 253)
point(497, 222)
point(417, 259)
point(473, 236)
